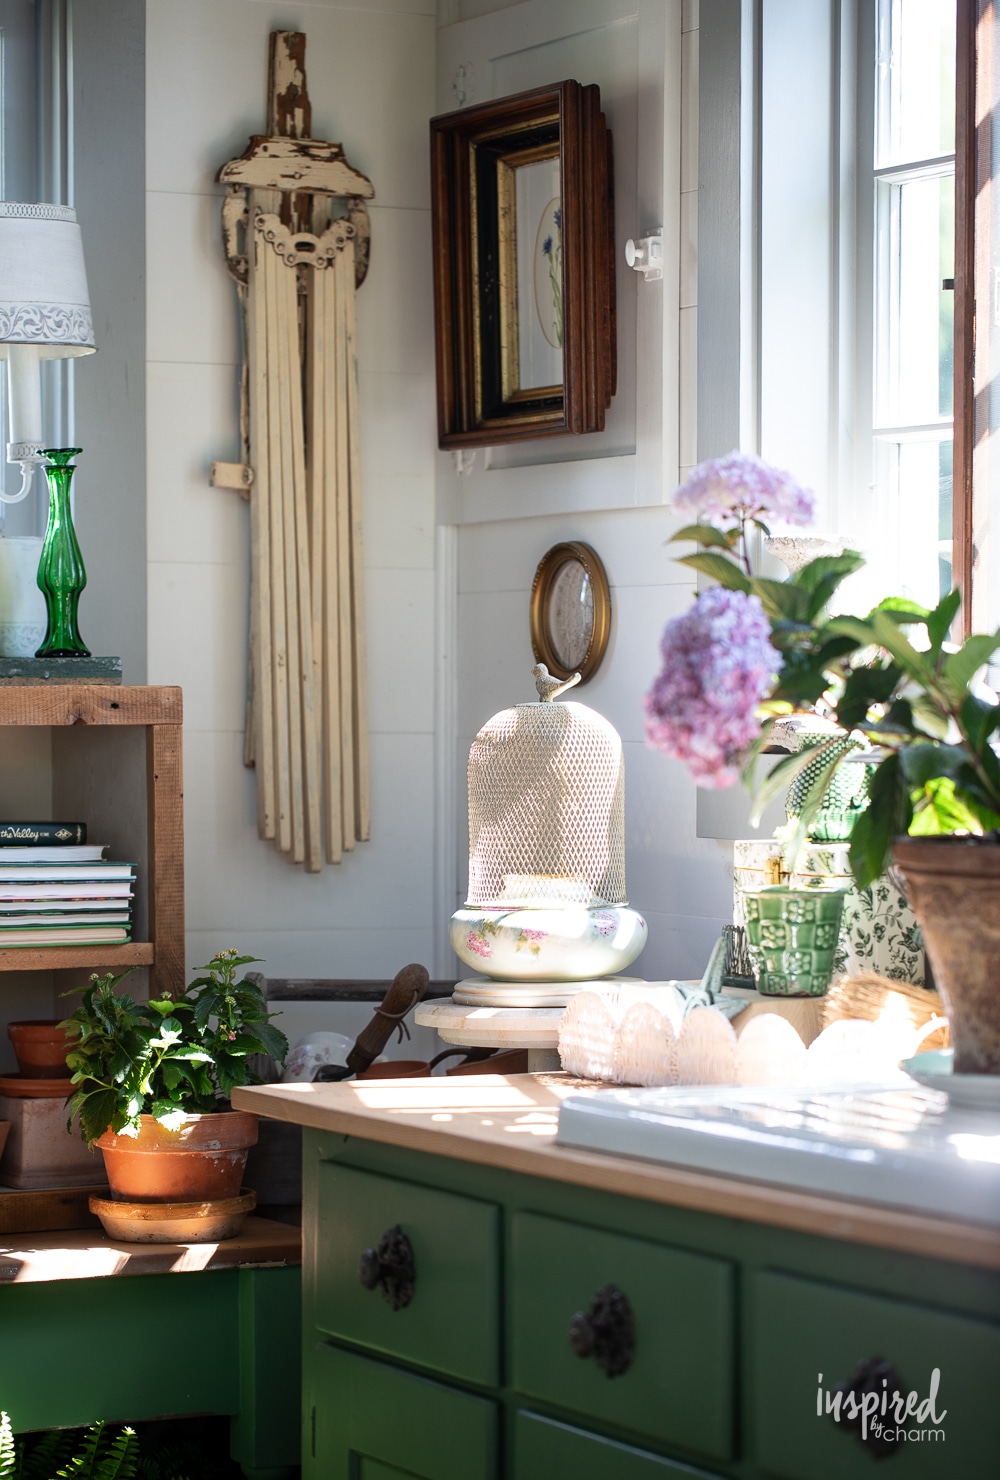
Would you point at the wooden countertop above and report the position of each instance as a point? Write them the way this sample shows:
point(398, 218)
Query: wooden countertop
point(85, 1254)
point(511, 1121)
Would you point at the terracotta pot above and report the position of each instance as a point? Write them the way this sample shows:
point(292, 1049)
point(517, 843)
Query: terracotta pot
point(954, 888)
point(508, 1061)
point(41, 1047)
point(397, 1069)
point(204, 1159)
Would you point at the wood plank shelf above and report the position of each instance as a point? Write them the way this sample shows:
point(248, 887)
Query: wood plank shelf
point(84, 958)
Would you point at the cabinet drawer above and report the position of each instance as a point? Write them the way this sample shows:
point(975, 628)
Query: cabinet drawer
point(373, 1422)
point(678, 1387)
point(546, 1450)
point(800, 1330)
point(451, 1322)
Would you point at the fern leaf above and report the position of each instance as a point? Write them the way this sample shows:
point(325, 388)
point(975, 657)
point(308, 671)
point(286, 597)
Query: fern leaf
point(6, 1448)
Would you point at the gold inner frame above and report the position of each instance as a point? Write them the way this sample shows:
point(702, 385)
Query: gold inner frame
point(508, 274)
point(541, 595)
point(510, 368)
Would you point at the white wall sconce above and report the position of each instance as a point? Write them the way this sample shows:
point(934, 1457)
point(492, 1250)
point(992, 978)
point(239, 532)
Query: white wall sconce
point(645, 255)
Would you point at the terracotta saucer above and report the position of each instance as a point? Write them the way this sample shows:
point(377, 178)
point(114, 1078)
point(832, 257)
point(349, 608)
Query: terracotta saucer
point(19, 1088)
point(173, 1223)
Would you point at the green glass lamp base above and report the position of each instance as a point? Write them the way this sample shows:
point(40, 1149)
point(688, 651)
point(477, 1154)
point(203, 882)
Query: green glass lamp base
point(61, 571)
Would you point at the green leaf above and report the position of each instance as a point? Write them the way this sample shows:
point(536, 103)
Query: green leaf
point(6, 1448)
point(889, 636)
point(978, 720)
point(940, 619)
point(704, 534)
point(961, 668)
point(923, 764)
point(865, 686)
point(825, 568)
point(887, 816)
point(902, 610)
point(271, 1040)
point(721, 569)
point(785, 772)
point(781, 599)
point(927, 717)
point(939, 808)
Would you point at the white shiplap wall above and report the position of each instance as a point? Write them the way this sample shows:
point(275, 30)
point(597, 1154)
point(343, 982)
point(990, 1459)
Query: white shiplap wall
point(371, 80)
point(681, 883)
point(448, 646)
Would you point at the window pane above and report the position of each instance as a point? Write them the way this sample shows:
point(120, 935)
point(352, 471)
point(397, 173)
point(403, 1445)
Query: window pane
point(916, 315)
point(916, 80)
point(909, 545)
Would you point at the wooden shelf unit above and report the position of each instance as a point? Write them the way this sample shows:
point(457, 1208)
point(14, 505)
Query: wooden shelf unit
point(116, 765)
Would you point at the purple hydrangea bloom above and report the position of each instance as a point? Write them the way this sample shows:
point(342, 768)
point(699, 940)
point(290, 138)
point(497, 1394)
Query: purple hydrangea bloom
point(718, 664)
point(727, 490)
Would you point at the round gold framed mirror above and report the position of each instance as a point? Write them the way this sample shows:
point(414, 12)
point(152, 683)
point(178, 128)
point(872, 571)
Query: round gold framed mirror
point(570, 610)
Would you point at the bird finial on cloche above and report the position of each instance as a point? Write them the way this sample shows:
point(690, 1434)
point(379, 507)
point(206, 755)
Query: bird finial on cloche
point(550, 688)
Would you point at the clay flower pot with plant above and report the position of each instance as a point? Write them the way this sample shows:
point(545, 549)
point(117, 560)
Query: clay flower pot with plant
point(753, 651)
point(151, 1082)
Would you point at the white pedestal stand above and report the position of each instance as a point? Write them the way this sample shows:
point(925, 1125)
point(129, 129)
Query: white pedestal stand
point(533, 1028)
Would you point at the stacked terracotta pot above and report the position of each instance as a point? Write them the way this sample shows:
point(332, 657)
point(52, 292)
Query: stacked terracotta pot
point(180, 1185)
point(40, 1152)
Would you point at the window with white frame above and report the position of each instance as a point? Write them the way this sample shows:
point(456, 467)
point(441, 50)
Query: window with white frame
point(913, 179)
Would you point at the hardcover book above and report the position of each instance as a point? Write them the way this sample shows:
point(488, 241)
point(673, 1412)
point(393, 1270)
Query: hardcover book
point(53, 833)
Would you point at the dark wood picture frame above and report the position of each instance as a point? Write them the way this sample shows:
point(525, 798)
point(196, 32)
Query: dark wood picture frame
point(544, 640)
point(496, 380)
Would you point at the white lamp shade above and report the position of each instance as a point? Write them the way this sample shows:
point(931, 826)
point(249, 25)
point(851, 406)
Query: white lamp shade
point(44, 300)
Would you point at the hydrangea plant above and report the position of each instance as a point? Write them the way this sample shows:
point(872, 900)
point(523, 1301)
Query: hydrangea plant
point(726, 680)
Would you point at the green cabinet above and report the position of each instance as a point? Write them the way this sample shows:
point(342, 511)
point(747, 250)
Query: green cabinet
point(369, 1421)
point(679, 1383)
point(808, 1337)
point(547, 1450)
point(451, 1321)
point(730, 1324)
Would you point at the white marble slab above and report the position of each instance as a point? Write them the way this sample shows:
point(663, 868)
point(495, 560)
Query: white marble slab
point(898, 1147)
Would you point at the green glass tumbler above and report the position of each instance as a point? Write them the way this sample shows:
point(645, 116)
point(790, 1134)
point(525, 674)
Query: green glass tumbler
point(61, 571)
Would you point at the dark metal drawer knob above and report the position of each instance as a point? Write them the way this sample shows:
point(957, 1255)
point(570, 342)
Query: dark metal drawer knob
point(876, 1376)
point(390, 1268)
point(606, 1332)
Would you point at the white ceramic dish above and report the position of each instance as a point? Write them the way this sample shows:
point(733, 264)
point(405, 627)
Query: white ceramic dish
point(935, 1070)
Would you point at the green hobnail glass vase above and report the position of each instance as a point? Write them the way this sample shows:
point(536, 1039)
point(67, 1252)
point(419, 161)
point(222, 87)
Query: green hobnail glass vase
point(62, 574)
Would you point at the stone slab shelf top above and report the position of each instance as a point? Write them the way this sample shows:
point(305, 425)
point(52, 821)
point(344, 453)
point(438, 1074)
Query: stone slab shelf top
point(16, 671)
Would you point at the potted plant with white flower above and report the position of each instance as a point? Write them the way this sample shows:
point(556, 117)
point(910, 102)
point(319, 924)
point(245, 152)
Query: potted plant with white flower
point(752, 651)
point(151, 1081)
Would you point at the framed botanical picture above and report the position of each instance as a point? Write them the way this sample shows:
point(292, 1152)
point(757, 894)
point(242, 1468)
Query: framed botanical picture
point(570, 614)
point(524, 289)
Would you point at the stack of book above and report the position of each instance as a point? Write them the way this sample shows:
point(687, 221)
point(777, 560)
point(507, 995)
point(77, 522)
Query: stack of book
point(56, 889)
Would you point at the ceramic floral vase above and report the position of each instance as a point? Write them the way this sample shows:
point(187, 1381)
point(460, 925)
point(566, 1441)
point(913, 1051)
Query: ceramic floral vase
point(792, 937)
point(563, 944)
point(878, 931)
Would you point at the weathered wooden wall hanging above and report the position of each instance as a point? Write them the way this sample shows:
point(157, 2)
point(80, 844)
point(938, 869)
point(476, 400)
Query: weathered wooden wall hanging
point(524, 272)
point(296, 236)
